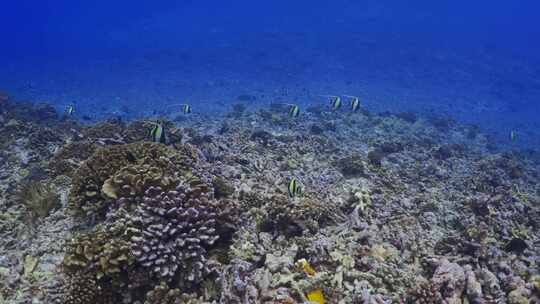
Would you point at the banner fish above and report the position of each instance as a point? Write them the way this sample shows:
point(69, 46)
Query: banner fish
point(158, 133)
point(186, 108)
point(294, 188)
point(355, 103)
point(294, 110)
point(513, 135)
point(70, 110)
point(336, 102)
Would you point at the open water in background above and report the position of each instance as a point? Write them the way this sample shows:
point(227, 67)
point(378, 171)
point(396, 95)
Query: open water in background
point(476, 61)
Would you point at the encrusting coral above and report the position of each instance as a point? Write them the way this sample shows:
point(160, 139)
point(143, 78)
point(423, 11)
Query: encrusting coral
point(296, 217)
point(131, 181)
point(124, 163)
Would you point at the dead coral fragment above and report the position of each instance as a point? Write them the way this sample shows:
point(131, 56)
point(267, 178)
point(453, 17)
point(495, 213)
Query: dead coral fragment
point(104, 130)
point(351, 166)
point(446, 151)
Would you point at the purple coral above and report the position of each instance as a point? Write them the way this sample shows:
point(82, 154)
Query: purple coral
point(172, 231)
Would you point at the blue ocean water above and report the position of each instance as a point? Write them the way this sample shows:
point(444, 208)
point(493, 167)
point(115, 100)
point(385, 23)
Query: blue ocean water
point(477, 62)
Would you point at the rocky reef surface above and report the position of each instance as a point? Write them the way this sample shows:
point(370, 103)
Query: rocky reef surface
point(395, 209)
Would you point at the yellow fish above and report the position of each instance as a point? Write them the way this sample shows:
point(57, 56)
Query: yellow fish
point(303, 263)
point(316, 296)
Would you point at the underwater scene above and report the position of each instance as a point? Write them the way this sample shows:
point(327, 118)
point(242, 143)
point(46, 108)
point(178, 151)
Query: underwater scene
point(272, 152)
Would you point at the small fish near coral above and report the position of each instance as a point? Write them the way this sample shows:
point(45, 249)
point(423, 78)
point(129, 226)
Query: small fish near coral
point(306, 268)
point(158, 133)
point(185, 108)
point(513, 135)
point(315, 296)
point(294, 189)
point(355, 103)
point(336, 102)
point(294, 110)
point(70, 110)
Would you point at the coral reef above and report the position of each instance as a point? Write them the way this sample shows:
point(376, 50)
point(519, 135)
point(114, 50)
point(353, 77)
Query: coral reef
point(39, 199)
point(351, 166)
point(69, 158)
point(396, 209)
point(158, 220)
point(102, 253)
point(162, 294)
point(172, 231)
point(84, 289)
point(142, 164)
